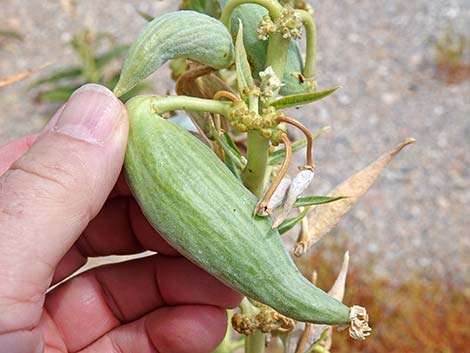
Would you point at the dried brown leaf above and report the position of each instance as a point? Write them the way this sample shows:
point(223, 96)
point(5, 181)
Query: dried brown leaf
point(325, 217)
point(8, 80)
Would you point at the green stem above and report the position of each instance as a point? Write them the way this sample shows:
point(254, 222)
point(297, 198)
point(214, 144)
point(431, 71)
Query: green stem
point(255, 343)
point(247, 308)
point(310, 67)
point(254, 174)
point(271, 5)
point(165, 104)
point(276, 56)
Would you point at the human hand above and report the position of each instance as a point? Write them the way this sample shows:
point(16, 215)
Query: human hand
point(61, 201)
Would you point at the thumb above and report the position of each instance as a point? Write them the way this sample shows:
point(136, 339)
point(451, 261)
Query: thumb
point(50, 194)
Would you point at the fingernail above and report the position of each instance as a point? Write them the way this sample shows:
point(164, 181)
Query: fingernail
point(91, 114)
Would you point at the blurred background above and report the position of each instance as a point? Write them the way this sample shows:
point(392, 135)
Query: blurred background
point(405, 71)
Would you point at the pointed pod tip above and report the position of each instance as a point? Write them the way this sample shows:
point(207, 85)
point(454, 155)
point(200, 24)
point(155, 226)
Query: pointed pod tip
point(119, 90)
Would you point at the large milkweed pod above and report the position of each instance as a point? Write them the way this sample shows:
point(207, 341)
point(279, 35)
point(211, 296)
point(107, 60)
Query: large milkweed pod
point(181, 34)
point(205, 212)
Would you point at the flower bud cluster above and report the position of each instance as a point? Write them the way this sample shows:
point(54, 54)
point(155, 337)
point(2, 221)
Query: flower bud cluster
point(243, 119)
point(265, 28)
point(289, 24)
point(267, 321)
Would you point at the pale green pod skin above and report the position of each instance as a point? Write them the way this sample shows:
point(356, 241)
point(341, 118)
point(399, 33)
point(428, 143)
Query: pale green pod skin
point(251, 15)
point(181, 34)
point(205, 213)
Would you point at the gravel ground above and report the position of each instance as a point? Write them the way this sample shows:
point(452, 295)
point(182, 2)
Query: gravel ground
point(416, 217)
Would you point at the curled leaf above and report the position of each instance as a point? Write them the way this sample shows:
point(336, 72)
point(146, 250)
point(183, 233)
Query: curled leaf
point(244, 78)
point(325, 217)
point(181, 34)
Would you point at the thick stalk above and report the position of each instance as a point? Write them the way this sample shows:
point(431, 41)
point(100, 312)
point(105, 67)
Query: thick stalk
point(310, 67)
point(276, 56)
point(254, 175)
point(255, 343)
point(271, 5)
point(165, 104)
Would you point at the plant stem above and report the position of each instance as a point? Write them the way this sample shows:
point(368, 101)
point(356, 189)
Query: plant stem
point(271, 5)
point(165, 104)
point(255, 343)
point(276, 56)
point(310, 67)
point(254, 174)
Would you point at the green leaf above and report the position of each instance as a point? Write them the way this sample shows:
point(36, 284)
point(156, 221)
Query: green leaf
point(74, 72)
point(181, 34)
point(56, 95)
point(8, 33)
point(316, 200)
point(194, 5)
point(277, 157)
point(244, 78)
point(57, 76)
point(290, 223)
point(301, 99)
point(233, 158)
point(84, 48)
point(146, 16)
point(114, 53)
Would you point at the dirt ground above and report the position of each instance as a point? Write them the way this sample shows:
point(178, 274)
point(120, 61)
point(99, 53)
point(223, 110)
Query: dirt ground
point(381, 52)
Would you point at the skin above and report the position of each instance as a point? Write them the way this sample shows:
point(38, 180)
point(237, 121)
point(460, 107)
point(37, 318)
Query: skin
point(63, 199)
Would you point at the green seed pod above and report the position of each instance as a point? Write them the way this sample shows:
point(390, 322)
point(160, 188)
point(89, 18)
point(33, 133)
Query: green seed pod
point(251, 15)
point(182, 34)
point(204, 211)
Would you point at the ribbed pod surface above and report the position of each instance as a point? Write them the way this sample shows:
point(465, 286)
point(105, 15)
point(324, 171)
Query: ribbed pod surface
point(200, 208)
